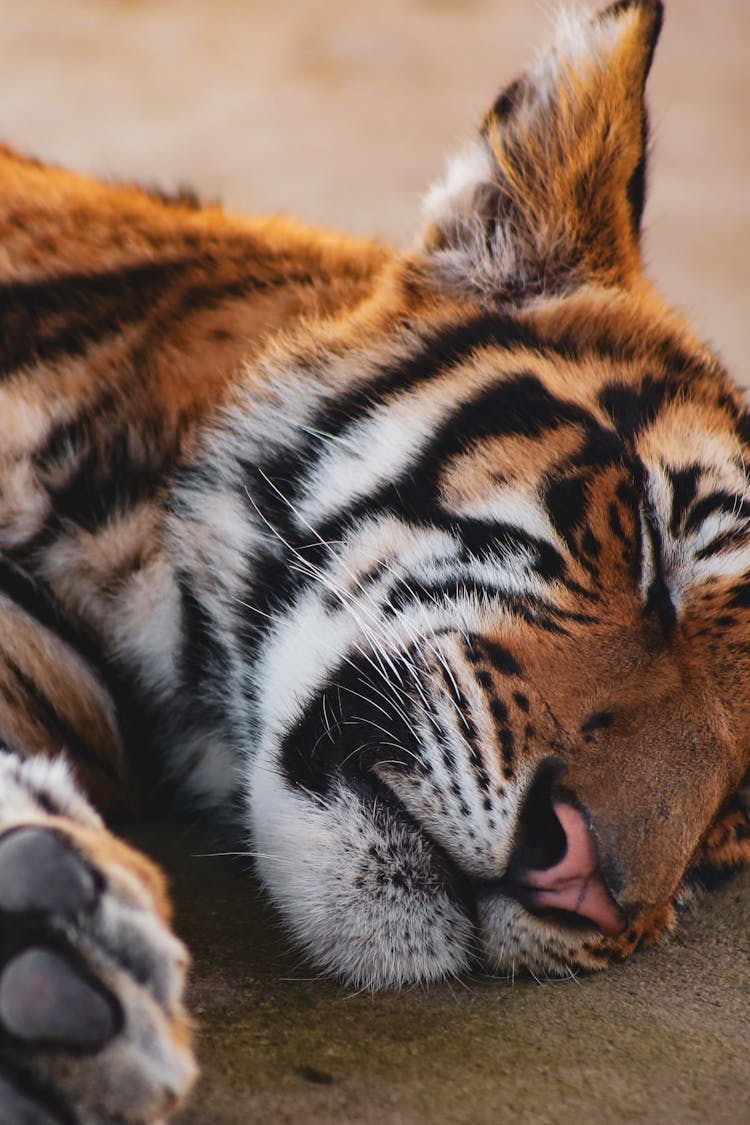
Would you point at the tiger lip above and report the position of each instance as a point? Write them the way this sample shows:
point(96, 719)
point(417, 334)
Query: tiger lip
point(569, 893)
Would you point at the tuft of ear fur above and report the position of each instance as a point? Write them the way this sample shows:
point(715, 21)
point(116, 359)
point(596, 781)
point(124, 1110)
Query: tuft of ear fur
point(550, 194)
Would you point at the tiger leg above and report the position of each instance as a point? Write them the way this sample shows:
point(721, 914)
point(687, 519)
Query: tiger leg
point(92, 1028)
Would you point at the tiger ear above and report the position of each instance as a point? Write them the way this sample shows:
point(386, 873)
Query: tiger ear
point(550, 194)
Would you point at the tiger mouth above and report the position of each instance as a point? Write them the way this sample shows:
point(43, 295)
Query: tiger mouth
point(465, 889)
point(456, 882)
point(526, 897)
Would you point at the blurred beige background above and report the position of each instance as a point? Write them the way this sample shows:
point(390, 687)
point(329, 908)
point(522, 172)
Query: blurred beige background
point(342, 111)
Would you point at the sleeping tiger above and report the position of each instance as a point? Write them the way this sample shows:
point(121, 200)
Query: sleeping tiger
point(426, 573)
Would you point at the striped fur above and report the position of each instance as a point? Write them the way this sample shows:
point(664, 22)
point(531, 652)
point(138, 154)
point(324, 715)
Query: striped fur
point(349, 547)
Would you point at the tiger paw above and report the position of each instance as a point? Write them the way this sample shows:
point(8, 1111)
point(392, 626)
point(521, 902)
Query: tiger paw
point(92, 1028)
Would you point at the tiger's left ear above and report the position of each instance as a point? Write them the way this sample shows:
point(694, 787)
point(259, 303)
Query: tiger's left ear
point(550, 194)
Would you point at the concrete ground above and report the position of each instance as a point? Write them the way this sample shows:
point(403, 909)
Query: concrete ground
point(342, 112)
point(661, 1039)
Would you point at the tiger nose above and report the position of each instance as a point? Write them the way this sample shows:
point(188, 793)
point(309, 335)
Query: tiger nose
point(555, 864)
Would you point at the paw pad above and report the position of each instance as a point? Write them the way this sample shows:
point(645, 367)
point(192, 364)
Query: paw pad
point(39, 872)
point(44, 999)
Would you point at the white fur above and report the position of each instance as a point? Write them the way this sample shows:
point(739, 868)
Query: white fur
point(517, 505)
point(685, 571)
point(24, 505)
point(452, 199)
point(316, 858)
point(144, 625)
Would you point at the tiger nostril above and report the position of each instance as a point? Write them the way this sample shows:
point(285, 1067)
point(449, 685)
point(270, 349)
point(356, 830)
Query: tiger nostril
point(554, 871)
point(542, 842)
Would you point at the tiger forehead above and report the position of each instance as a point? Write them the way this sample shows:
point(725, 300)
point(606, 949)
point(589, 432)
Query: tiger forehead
point(517, 459)
point(668, 439)
point(626, 410)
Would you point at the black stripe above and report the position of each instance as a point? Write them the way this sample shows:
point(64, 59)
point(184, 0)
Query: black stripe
point(737, 538)
point(505, 737)
point(659, 598)
point(460, 586)
point(497, 656)
point(616, 342)
point(566, 501)
point(718, 501)
point(111, 478)
point(435, 354)
point(35, 600)
point(630, 408)
point(740, 596)
point(536, 612)
point(134, 715)
point(470, 735)
point(41, 707)
point(615, 523)
point(449, 752)
point(446, 348)
point(67, 438)
point(684, 487)
point(206, 294)
point(633, 407)
point(520, 404)
point(429, 706)
point(492, 541)
point(204, 659)
point(314, 754)
point(42, 320)
point(516, 404)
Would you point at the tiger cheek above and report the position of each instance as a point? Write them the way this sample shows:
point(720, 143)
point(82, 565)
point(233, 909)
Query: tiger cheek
point(636, 722)
point(650, 927)
point(725, 848)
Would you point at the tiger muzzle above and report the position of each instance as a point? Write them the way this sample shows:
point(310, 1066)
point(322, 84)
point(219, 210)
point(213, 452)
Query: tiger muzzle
point(554, 871)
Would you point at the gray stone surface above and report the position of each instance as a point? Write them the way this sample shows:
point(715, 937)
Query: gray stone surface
point(662, 1038)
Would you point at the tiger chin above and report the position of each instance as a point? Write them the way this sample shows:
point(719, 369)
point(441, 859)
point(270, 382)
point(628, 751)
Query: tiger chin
point(432, 567)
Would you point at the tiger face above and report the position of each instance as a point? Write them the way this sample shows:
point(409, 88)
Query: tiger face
point(501, 688)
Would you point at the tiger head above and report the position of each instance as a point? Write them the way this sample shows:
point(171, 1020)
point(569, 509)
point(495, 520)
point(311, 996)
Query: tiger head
point(504, 697)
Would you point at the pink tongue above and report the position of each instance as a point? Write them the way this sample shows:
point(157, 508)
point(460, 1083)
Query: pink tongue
point(575, 884)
